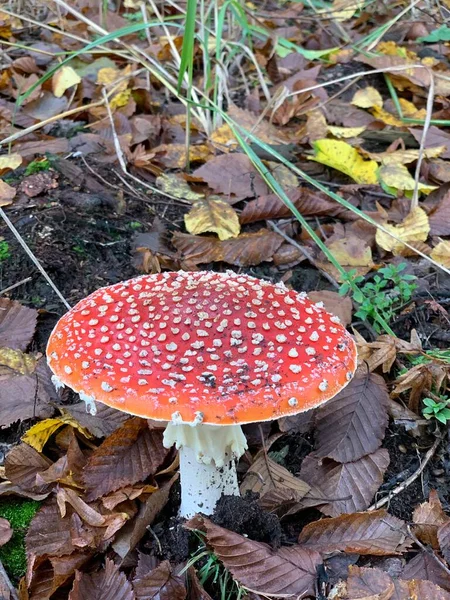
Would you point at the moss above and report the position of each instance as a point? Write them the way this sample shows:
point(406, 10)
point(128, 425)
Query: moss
point(19, 513)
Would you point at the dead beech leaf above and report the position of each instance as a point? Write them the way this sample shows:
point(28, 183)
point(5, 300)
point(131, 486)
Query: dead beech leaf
point(159, 583)
point(345, 132)
point(246, 250)
point(316, 126)
point(213, 214)
point(436, 136)
point(64, 78)
point(394, 176)
point(39, 434)
point(352, 424)
point(47, 579)
point(173, 156)
point(102, 424)
point(7, 193)
point(375, 533)
point(335, 304)
point(441, 254)
point(9, 162)
point(427, 519)
point(414, 228)
point(439, 217)
point(176, 186)
point(343, 157)
point(425, 566)
point(367, 97)
point(48, 533)
point(17, 324)
point(443, 535)
point(233, 176)
point(23, 464)
point(381, 352)
point(404, 157)
point(352, 484)
point(291, 570)
point(5, 532)
point(418, 380)
point(105, 584)
point(130, 454)
point(351, 252)
point(195, 587)
point(265, 475)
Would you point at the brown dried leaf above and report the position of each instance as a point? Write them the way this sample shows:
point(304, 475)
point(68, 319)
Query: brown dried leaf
point(130, 454)
point(103, 423)
point(246, 250)
point(352, 424)
point(195, 587)
point(23, 463)
point(381, 352)
point(443, 535)
point(107, 584)
point(265, 475)
point(375, 533)
point(334, 304)
point(48, 575)
point(290, 570)
point(436, 136)
point(308, 202)
point(426, 566)
point(232, 175)
point(158, 584)
point(48, 533)
point(427, 519)
point(17, 324)
point(349, 486)
point(420, 379)
point(439, 217)
point(5, 531)
point(7, 193)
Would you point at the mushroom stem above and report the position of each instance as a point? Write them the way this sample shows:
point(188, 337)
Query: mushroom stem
point(207, 463)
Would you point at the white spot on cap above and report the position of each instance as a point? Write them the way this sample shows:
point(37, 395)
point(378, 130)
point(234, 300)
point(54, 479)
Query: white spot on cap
point(295, 368)
point(106, 387)
point(323, 385)
point(171, 347)
point(293, 402)
point(293, 353)
point(68, 370)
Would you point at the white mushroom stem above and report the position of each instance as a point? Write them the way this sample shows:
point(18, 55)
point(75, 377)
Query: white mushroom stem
point(207, 463)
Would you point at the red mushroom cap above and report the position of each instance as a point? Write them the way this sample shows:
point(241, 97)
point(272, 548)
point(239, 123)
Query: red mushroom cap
point(218, 348)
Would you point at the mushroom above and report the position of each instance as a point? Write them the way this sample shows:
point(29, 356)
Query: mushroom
point(207, 352)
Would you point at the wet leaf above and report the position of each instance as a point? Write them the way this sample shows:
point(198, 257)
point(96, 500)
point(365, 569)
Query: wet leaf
point(414, 228)
point(373, 533)
point(5, 531)
point(107, 584)
point(17, 324)
point(130, 454)
point(352, 424)
point(341, 156)
point(158, 584)
point(213, 214)
point(64, 78)
point(350, 486)
point(427, 519)
point(425, 566)
point(367, 97)
point(441, 254)
point(290, 570)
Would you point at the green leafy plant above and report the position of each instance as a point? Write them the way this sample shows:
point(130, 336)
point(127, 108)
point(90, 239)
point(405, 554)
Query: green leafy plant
point(4, 251)
point(36, 166)
point(381, 297)
point(437, 410)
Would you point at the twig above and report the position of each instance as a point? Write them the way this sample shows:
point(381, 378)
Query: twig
point(14, 285)
point(4, 576)
point(400, 488)
point(428, 550)
point(37, 264)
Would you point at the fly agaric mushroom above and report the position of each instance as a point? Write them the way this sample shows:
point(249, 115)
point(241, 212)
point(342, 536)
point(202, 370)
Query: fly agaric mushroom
point(207, 352)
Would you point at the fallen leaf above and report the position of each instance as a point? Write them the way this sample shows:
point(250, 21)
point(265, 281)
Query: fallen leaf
point(367, 97)
point(103, 423)
point(425, 566)
point(439, 216)
point(7, 193)
point(386, 117)
point(443, 536)
point(351, 486)
point(39, 434)
point(436, 137)
point(394, 176)
point(414, 228)
point(352, 424)
point(195, 587)
point(64, 78)
point(351, 252)
point(290, 571)
point(50, 574)
point(404, 157)
point(375, 533)
point(341, 156)
point(160, 583)
point(5, 532)
point(173, 156)
point(107, 584)
point(17, 324)
point(174, 185)
point(49, 534)
point(9, 162)
point(215, 215)
point(441, 254)
point(130, 454)
point(335, 304)
point(381, 352)
point(232, 175)
point(419, 380)
point(427, 519)
point(345, 132)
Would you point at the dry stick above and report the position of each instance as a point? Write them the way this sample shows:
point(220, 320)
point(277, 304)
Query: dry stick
point(428, 550)
point(38, 265)
point(12, 287)
point(400, 488)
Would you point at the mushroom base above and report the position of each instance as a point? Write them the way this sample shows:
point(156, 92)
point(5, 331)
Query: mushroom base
point(202, 485)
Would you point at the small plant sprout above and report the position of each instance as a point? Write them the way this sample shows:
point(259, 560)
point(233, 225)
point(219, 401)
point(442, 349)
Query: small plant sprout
point(435, 409)
point(207, 352)
point(380, 298)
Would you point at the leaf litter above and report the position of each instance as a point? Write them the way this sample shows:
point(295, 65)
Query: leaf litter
point(102, 190)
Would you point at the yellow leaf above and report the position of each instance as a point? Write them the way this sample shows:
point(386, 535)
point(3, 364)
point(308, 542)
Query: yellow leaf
point(404, 157)
point(441, 254)
point(120, 99)
point(343, 157)
point(18, 361)
point(10, 161)
point(386, 117)
point(284, 176)
point(342, 10)
point(7, 193)
point(38, 435)
point(213, 214)
point(345, 132)
point(397, 177)
point(415, 228)
point(351, 253)
point(107, 75)
point(63, 79)
point(175, 186)
point(367, 98)
point(409, 110)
